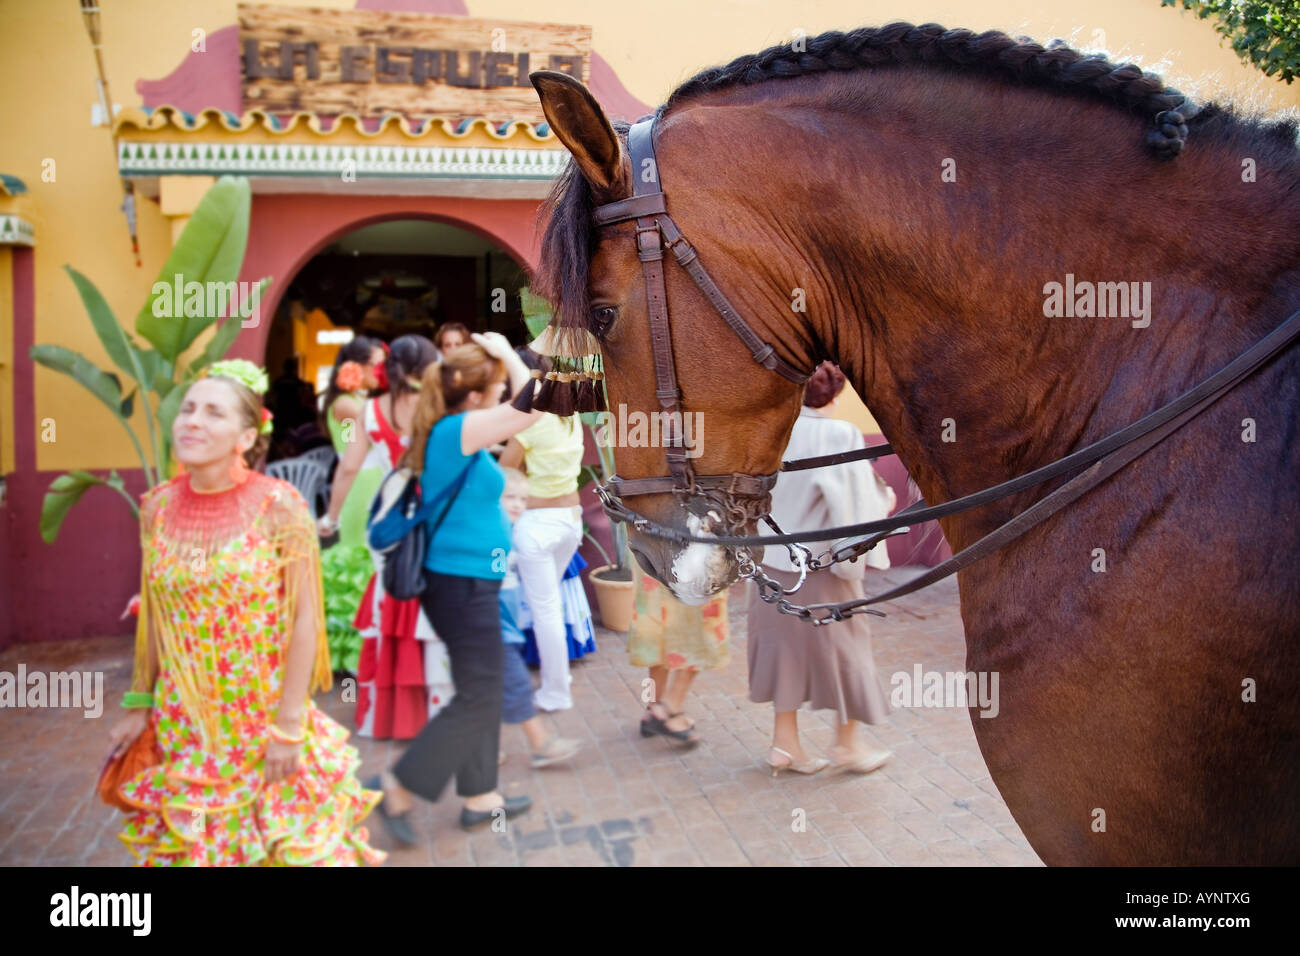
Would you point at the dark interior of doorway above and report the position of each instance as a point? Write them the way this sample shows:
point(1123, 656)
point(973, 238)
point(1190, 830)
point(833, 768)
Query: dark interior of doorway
point(397, 278)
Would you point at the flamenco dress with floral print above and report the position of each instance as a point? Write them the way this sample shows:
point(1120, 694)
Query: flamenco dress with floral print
point(224, 576)
point(404, 671)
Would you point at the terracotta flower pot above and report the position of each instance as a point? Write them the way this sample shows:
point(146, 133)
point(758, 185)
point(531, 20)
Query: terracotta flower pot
point(614, 598)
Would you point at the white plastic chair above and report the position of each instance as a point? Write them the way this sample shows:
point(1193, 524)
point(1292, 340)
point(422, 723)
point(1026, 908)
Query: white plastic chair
point(304, 473)
point(324, 454)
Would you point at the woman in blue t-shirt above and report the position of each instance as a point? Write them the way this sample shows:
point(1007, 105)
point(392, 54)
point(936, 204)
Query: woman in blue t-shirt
point(460, 415)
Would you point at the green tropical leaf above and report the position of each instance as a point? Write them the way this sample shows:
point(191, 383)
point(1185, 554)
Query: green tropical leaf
point(103, 385)
point(226, 334)
point(158, 371)
point(65, 491)
point(170, 405)
point(537, 312)
point(117, 343)
point(145, 366)
point(210, 249)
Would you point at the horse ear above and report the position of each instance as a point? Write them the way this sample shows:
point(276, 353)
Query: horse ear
point(582, 126)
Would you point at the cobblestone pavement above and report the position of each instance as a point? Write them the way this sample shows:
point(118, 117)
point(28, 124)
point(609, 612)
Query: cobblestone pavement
point(624, 800)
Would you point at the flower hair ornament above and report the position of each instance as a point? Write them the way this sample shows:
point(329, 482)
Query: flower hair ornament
point(253, 377)
point(350, 377)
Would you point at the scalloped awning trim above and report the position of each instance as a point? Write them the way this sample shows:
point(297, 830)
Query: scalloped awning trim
point(169, 117)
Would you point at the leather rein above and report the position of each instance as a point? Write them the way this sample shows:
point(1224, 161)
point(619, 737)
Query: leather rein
point(742, 498)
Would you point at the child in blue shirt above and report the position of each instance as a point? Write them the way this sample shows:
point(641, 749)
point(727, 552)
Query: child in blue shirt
point(517, 704)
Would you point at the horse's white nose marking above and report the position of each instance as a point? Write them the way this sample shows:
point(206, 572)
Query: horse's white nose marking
point(697, 566)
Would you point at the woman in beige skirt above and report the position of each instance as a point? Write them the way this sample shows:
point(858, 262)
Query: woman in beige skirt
point(791, 662)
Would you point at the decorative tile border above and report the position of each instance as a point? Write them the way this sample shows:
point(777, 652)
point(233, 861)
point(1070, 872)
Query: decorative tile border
point(16, 232)
point(305, 159)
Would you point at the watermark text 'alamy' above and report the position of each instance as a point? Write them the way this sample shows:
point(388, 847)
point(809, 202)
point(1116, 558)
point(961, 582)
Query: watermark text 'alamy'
point(192, 300)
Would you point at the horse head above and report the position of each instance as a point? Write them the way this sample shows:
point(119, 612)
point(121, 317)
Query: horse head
point(735, 416)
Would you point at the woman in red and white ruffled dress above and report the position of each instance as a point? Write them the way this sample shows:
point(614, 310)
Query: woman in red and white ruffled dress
point(404, 673)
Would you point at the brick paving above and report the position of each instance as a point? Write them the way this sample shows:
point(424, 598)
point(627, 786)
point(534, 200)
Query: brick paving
point(625, 800)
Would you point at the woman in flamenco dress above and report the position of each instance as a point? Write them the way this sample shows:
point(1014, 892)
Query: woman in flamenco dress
point(230, 646)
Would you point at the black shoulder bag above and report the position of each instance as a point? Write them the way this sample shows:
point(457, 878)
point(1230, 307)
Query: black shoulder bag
point(403, 573)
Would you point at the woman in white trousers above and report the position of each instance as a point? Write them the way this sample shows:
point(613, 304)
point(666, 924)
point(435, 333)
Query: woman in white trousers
point(544, 540)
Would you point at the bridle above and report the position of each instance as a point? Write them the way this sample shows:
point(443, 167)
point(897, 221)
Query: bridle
point(744, 498)
point(738, 498)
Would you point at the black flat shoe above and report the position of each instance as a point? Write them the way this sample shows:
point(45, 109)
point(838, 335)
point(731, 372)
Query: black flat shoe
point(398, 825)
point(513, 806)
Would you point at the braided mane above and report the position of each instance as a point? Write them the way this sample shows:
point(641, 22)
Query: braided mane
point(570, 238)
point(1054, 66)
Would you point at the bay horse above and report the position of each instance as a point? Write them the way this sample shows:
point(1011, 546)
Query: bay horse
point(912, 203)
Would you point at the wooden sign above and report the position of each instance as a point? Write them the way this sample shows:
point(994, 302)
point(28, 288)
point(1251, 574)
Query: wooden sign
point(374, 62)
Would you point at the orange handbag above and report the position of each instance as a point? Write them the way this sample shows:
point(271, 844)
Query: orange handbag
point(141, 755)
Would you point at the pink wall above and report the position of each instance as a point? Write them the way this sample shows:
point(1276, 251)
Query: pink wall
point(77, 586)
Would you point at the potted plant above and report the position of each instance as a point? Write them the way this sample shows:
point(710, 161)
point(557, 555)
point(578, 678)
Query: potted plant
point(612, 580)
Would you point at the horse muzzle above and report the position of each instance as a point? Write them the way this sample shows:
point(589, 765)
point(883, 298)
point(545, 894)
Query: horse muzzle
point(693, 572)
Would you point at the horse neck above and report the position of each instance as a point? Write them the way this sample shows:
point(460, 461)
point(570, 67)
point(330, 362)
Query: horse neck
point(931, 294)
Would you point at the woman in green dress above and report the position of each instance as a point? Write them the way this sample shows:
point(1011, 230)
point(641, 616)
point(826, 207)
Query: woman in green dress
point(347, 566)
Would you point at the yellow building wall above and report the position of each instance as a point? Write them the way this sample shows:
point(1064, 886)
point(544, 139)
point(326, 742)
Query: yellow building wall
point(47, 86)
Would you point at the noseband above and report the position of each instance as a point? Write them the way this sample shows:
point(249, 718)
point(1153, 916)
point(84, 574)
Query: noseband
point(739, 498)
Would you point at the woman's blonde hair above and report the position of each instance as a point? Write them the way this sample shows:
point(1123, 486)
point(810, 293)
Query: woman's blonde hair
point(445, 385)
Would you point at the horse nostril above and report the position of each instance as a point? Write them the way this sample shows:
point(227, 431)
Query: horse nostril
point(646, 564)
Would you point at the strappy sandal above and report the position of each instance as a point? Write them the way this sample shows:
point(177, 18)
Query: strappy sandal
point(653, 725)
point(649, 714)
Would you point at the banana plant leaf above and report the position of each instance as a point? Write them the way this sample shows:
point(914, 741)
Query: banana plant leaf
point(103, 385)
point(141, 365)
point(169, 406)
point(537, 312)
point(210, 249)
point(226, 333)
point(65, 491)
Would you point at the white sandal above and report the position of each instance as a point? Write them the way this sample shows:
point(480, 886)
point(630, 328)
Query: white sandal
point(809, 766)
point(872, 760)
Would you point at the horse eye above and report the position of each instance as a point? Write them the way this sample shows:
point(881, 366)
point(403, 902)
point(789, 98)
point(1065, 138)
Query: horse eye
point(602, 318)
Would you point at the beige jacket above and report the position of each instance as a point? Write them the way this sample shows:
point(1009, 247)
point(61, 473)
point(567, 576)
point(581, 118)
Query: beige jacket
point(827, 497)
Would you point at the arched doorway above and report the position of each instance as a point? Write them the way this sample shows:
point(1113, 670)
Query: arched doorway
point(398, 276)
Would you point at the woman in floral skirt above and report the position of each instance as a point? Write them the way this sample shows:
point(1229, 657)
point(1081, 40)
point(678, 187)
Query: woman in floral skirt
point(229, 648)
